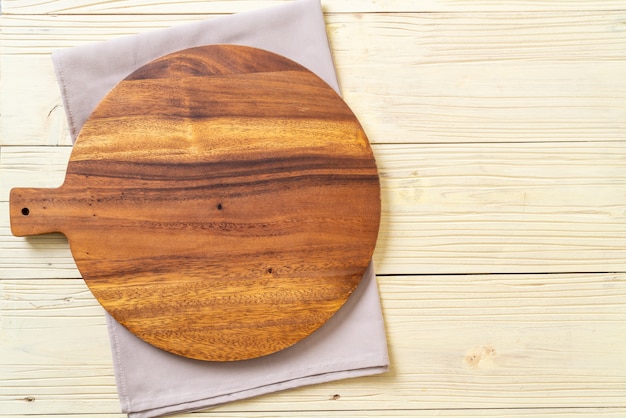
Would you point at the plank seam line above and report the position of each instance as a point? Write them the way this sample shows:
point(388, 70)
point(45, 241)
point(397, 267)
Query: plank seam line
point(382, 12)
point(497, 273)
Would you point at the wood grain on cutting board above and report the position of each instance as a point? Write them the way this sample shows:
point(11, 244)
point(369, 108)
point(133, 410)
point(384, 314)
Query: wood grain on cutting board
point(221, 202)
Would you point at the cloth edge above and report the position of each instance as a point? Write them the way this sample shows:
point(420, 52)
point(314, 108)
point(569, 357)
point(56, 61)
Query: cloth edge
point(216, 401)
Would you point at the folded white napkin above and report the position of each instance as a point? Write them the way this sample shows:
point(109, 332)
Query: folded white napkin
point(152, 382)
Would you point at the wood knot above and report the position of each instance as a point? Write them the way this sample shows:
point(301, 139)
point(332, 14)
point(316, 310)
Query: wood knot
point(29, 399)
point(335, 397)
point(482, 356)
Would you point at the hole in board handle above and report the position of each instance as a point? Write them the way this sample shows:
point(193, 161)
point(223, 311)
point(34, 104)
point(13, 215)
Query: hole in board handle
point(25, 211)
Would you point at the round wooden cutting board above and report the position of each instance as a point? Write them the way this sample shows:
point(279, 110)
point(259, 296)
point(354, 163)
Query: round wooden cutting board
point(221, 203)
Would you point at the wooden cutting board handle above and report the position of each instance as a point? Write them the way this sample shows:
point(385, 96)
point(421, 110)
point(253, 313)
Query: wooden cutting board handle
point(35, 211)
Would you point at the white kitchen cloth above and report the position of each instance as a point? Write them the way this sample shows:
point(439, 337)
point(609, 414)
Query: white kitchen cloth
point(152, 382)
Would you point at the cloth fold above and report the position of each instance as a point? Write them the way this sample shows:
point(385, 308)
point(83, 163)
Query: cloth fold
point(152, 382)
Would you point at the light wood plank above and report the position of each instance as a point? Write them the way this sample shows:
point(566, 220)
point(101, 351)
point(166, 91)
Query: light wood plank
point(436, 37)
point(496, 208)
point(408, 413)
point(485, 341)
point(48, 254)
point(409, 78)
point(232, 6)
point(443, 413)
point(35, 112)
point(474, 208)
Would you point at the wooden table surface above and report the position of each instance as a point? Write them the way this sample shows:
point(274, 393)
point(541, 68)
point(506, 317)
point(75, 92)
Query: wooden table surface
point(500, 133)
